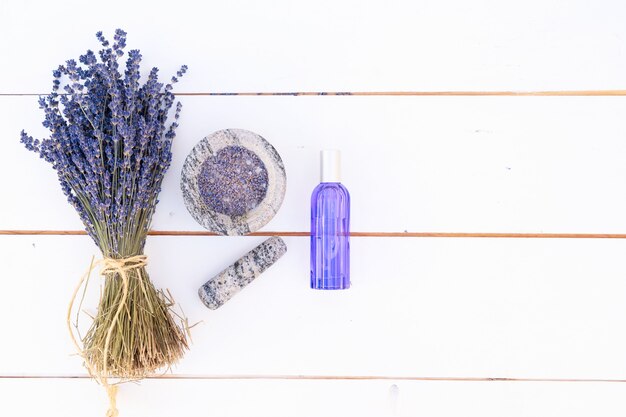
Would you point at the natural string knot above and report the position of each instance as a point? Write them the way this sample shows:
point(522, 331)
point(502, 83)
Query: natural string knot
point(121, 265)
point(109, 266)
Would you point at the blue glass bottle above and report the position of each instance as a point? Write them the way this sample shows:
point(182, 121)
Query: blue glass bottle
point(330, 228)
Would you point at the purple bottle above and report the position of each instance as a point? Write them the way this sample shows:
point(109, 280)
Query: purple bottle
point(330, 228)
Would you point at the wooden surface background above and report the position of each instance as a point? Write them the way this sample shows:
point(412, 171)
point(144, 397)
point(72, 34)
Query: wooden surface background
point(484, 145)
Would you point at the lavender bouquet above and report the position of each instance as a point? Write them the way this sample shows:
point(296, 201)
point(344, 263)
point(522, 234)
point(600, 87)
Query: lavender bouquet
point(110, 146)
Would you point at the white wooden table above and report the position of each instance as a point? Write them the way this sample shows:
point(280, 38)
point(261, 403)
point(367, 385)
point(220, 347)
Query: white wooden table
point(488, 271)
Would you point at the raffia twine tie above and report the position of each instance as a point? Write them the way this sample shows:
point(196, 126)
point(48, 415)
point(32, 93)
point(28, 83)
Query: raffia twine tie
point(108, 266)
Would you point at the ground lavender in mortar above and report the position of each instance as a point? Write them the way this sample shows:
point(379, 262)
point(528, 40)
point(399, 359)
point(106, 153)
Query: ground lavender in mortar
point(233, 181)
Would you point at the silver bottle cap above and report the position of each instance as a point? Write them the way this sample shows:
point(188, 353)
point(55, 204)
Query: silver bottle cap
point(330, 165)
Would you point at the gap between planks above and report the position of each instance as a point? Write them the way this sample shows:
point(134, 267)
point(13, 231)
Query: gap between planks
point(353, 234)
point(570, 93)
point(331, 378)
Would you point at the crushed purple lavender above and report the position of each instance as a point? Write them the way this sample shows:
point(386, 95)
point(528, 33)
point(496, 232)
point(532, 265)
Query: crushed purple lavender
point(110, 146)
point(233, 181)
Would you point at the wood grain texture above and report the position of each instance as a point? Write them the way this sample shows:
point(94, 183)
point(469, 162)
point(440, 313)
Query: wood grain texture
point(352, 234)
point(315, 398)
point(352, 45)
point(484, 147)
point(326, 378)
point(471, 308)
point(414, 164)
point(571, 93)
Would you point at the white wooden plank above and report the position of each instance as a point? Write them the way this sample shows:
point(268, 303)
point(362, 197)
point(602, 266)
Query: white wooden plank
point(518, 308)
point(277, 398)
point(443, 164)
point(352, 45)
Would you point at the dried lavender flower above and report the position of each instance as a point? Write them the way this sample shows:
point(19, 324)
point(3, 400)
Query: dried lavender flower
point(110, 146)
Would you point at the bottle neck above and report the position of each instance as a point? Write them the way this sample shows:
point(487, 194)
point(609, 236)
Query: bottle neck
point(330, 168)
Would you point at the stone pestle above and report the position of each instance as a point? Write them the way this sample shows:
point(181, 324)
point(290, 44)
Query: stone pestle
point(222, 287)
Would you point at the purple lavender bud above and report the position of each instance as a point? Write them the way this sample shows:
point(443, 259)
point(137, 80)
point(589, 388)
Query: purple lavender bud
point(109, 141)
